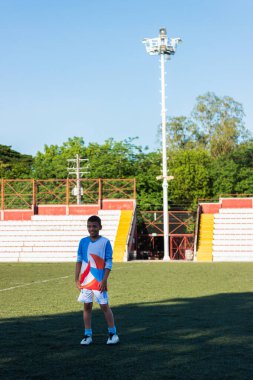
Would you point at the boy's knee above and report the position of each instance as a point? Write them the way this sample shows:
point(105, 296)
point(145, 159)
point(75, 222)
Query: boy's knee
point(88, 306)
point(105, 307)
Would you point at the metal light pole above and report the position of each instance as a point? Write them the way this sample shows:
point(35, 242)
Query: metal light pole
point(161, 46)
point(76, 169)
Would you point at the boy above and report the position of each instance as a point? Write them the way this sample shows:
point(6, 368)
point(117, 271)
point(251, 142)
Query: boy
point(93, 266)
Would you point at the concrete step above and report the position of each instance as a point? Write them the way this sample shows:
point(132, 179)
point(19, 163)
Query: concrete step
point(49, 259)
point(236, 211)
point(233, 233)
point(38, 249)
point(9, 259)
point(43, 238)
point(78, 229)
point(37, 256)
point(104, 217)
point(40, 233)
point(55, 225)
point(21, 243)
point(232, 243)
point(233, 226)
point(220, 221)
point(60, 217)
point(229, 248)
point(233, 259)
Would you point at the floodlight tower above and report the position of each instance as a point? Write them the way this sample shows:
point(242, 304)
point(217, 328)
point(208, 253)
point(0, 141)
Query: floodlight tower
point(165, 48)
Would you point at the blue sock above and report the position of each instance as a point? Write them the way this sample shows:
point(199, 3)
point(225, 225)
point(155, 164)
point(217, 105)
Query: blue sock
point(88, 332)
point(112, 330)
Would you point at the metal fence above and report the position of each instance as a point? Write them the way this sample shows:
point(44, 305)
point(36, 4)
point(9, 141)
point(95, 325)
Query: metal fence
point(150, 234)
point(25, 193)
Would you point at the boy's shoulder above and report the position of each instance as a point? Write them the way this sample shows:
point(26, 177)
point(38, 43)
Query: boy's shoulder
point(104, 239)
point(85, 240)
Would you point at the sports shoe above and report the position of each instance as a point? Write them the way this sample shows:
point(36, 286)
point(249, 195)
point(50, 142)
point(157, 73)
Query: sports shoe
point(113, 339)
point(86, 340)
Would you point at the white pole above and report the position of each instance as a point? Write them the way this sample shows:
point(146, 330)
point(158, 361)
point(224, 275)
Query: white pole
point(166, 256)
point(78, 197)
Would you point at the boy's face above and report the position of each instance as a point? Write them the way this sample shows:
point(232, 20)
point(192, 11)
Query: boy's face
point(93, 229)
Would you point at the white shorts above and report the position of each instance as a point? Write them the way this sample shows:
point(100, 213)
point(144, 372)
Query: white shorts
point(86, 296)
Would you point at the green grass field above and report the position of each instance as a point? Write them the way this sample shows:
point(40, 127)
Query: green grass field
point(175, 321)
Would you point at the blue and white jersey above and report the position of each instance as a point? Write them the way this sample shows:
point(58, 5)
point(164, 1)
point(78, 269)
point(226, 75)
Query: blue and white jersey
point(96, 256)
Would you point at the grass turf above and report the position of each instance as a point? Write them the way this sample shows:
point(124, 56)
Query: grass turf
point(175, 321)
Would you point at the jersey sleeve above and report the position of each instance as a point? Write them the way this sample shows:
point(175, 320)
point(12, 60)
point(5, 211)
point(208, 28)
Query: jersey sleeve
point(79, 258)
point(108, 255)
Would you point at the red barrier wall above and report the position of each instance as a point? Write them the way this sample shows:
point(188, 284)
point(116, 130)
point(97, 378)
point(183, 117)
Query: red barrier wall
point(114, 204)
point(213, 208)
point(210, 208)
point(236, 203)
point(83, 210)
point(17, 214)
point(52, 210)
point(117, 204)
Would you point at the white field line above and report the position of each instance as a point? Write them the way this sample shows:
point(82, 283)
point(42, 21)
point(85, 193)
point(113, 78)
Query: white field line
point(42, 281)
point(33, 283)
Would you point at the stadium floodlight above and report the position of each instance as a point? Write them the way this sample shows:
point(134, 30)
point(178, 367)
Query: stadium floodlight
point(165, 48)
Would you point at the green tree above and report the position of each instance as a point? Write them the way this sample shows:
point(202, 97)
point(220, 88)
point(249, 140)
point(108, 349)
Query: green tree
point(233, 174)
point(111, 159)
point(52, 163)
point(182, 134)
point(192, 181)
point(149, 189)
point(114, 159)
point(220, 121)
point(216, 124)
point(14, 164)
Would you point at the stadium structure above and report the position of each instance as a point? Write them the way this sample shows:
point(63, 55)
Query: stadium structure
point(42, 222)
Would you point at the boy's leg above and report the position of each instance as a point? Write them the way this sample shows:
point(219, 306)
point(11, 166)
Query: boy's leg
point(87, 312)
point(86, 297)
point(113, 337)
point(108, 315)
point(102, 300)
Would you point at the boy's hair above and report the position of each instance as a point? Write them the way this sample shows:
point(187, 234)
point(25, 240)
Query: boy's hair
point(94, 218)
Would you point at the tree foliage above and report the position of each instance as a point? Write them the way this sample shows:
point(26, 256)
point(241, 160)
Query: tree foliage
point(233, 174)
point(191, 182)
point(114, 159)
point(14, 164)
point(216, 124)
point(52, 163)
point(111, 159)
point(149, 189)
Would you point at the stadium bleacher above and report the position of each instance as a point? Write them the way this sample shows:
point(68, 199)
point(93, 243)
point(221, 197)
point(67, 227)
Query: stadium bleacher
point(226, 231)
point(233, 235)
point(50, 238)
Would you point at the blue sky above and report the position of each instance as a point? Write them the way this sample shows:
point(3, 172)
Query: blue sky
point(78, 68)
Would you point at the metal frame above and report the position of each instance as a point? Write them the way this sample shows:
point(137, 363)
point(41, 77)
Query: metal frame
point(179, 244)
point(181, 233)
point(28, 193)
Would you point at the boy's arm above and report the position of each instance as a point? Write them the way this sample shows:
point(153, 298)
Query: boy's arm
point(103, 283)
point(108, 266)
point(77, 274)
point(108, 256)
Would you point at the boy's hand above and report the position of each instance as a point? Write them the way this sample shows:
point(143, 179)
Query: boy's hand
point(103, 285)
point(78, 285)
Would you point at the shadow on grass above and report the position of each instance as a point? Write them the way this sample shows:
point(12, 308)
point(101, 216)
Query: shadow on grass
point(194, 338)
